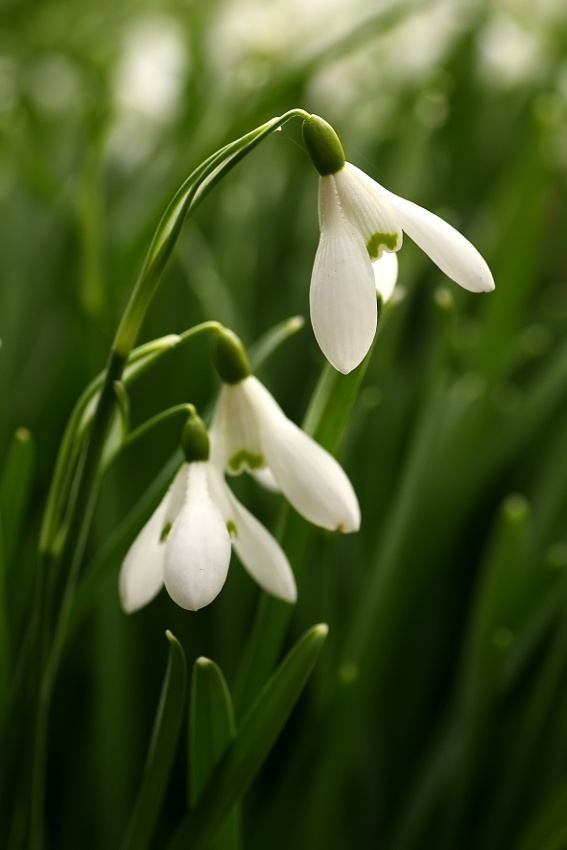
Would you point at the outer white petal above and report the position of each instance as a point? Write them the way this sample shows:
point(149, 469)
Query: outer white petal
point(342, 295)
point(370, 213)
point(385, 275)
point(141, 573)
point(309, 477)
point(259, 552)
point(197, 552)
point(265, 477)
point(175, 496)
point(448, 248)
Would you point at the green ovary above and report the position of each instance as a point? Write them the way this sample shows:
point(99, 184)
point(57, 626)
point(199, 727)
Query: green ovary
point(381, 240)
point(245, 460)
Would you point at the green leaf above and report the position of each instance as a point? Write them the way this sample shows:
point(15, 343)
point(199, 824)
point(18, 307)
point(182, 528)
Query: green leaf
point(256, 737)
point(5, 662)
point(325, 420)
point(78, 427)
point(494, 616)
point(16, 480)
point(161, 751)
point(549, 828)
point(211, 729)
point(272, 339)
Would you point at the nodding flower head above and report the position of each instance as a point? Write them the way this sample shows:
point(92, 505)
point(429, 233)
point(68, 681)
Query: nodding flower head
point(362, 226)
point(186, 544)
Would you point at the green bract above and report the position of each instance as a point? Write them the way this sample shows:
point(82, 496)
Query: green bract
point(323, 145)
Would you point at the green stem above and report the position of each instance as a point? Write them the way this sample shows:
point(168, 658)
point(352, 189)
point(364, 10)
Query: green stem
point(192, 192)
point(82, 506)
point(82, 486)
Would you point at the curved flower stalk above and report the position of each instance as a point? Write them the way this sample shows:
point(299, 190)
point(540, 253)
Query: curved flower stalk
point(251, 432)
point(186, 544)
point(362, 226)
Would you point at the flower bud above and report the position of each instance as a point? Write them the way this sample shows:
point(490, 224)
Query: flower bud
point(323, 145)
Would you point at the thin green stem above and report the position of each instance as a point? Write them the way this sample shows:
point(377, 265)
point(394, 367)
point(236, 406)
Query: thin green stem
point(190, 193)
point(79, 484)
point(81, 507)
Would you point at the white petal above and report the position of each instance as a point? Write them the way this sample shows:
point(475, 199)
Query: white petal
point(141, 573)
point(265, 477)
point(368, 212)
point(175, 496)
point(385, 275)
point(343, 294)
point(448, 248)
point(259, 552)
point(235, 440)
point(197, 552)
point(309, 477)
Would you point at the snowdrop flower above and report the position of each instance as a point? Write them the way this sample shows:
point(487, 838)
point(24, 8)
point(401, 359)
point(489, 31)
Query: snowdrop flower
point(362, 226)
point(186, 544)
point(251, 432)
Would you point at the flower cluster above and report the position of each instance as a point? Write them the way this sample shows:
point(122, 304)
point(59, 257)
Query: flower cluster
point(187, 542)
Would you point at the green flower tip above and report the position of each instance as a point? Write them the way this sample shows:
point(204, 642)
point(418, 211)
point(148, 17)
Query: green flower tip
point(195, 439)
point(230, 358)
point(203, 661)
point(323, 146)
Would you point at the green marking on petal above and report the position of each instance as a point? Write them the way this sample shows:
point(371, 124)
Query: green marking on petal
point(164, 532)
point(381, 240)
point(245, 460)
point(232, 529)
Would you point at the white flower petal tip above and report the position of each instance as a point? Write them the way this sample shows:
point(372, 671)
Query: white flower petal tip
point(343, 293)
point(308, 476)
point(141, 573)
point(198, 546)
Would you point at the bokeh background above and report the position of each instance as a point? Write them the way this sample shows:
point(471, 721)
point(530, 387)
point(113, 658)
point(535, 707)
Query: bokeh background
point(437, 715)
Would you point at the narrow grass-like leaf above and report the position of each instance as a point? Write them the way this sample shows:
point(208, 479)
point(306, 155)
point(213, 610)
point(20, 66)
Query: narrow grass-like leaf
point(325, 420)
point(548, 830)
point(257, 734)
point(5, 642)
point(16, 481)
point(494, 616)
point(259, 352)
point(77, 427)
point(161, 753)
point(211, 729)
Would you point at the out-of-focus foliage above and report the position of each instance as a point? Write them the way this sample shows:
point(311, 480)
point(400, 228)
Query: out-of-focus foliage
point(436, 716)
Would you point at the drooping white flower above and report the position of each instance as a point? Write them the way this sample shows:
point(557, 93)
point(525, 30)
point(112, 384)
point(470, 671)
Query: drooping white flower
point(362, 226)
point(186, 545)
point(251, 432)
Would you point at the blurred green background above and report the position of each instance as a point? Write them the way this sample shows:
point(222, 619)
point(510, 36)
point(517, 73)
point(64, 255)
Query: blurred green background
point(437, 714)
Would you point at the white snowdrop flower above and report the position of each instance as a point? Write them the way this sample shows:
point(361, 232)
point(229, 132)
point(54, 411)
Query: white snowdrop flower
point(186, 544)
point(362, 226)
point(251, 432)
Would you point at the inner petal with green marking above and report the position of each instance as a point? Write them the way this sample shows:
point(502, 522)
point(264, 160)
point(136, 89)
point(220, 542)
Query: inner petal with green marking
point(380, 241)
point(232, 529)
point(243, 459)
point(164, 532)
